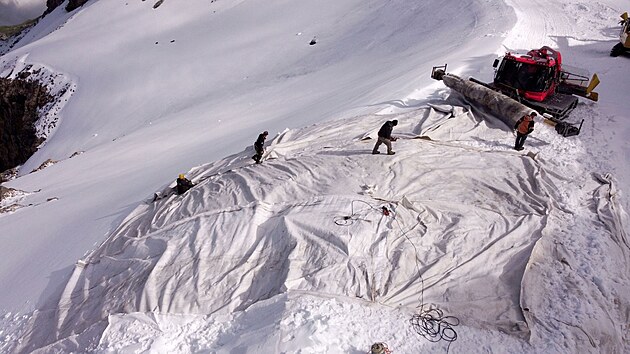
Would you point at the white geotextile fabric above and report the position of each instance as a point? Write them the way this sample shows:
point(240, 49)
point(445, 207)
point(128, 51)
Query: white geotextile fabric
point(563, 295)
point(462, 226)
point(611, 213)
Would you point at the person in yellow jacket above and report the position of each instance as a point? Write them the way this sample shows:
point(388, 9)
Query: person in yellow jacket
point(183, 184)
point(523, 127)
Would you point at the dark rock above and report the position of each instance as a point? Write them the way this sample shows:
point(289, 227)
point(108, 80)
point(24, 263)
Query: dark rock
point(8, 175)
point(75, 4)
point(24, 74)
point(52, 4)
point(45, 164)
point(6, 193)
point(20, 101)
point(72, 5)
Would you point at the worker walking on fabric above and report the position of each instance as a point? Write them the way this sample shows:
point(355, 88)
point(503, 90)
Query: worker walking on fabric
point(183, 184)
point(385, 137)
point(259, 146)
point(523, 127)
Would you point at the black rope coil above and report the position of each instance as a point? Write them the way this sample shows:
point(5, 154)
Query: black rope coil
point(434, 326)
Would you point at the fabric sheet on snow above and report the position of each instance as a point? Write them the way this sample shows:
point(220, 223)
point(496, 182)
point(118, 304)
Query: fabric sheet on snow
point(463, 221)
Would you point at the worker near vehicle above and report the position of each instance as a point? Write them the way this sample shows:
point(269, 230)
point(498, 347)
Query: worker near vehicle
point(183, 184)
point(259, 146)
point(523, 127)
point(385, 137)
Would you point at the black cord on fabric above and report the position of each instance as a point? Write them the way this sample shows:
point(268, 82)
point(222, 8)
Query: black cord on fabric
point(430, 323)
point(348, 220)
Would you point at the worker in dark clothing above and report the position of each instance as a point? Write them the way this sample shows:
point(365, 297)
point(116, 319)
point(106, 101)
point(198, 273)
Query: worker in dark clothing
point(259, 146)
point(385, 137)
point(183, 184)
point(523, 127)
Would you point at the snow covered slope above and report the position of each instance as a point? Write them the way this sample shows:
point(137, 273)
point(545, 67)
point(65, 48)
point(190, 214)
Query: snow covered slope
point(532, 245)
point(162, 90)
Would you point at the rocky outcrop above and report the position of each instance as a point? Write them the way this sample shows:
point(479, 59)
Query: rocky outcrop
point(45, 164)
point(8, 175)
point(52, 4)
point(5, 193)
point(20, 101)
point(7, 196)
point(72, 5)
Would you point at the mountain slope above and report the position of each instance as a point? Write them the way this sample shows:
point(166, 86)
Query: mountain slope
point(219, 74)
point(534, 246)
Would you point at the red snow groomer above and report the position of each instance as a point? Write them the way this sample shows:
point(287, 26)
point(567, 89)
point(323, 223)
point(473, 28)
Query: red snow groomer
point(539, 80)
point(536, 80)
